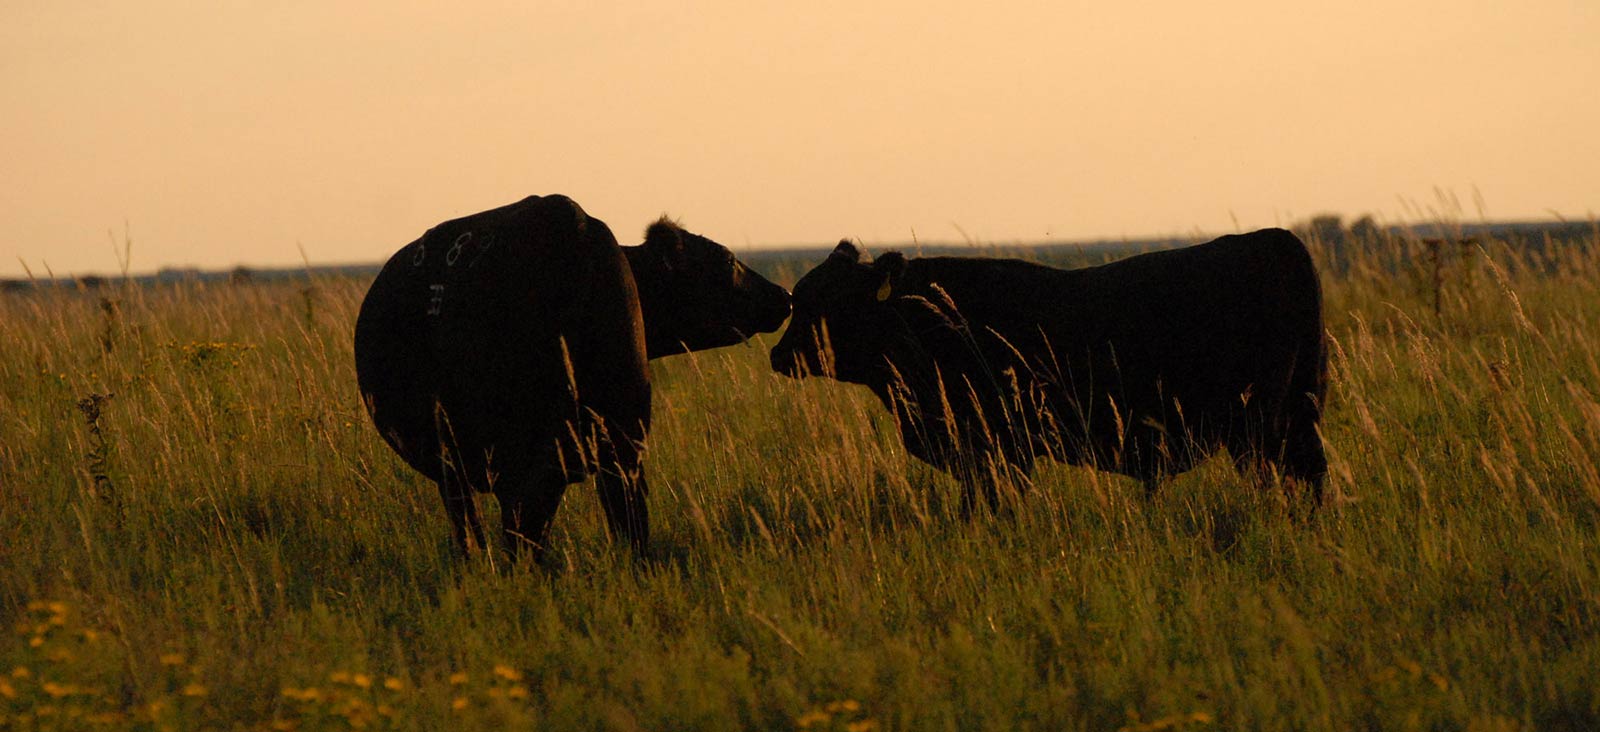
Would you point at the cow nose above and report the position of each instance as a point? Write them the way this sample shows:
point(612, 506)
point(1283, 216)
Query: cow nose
point(780, 313)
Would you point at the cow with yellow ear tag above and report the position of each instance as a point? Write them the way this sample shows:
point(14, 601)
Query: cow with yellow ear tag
point(1144, 366)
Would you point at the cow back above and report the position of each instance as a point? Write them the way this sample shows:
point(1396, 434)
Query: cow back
point(467, 335)
point(1212, 326)
point(1208, 341)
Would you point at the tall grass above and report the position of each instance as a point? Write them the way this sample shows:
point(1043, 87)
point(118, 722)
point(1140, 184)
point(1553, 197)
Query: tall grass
point(200, 529)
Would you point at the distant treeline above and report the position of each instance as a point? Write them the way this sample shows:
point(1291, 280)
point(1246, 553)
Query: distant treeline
point(1336, 242)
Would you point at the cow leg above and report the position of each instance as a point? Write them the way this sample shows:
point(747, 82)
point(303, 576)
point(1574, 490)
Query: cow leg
point(613, 384)
point(991, 475)
point(1298, 457)
point(1149, 457)
point(1014, 478)
point(627, 512)
point(527, 506)
point(462, 508)
point(623, 492)
point(1152, 485)
point(1305, 462)
point(973, 481)
point(1250, 463)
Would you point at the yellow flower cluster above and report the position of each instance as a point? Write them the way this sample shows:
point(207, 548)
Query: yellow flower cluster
point(505, 685)
point(358, 700)
point(36, 692)
point(65, 675)
point(1173, 722)
point(1412, 669)
point(61, 679)
point(844, 714)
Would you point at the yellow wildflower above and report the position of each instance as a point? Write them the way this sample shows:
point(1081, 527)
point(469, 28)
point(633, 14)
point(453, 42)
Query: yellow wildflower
point(284, 725)
point(393, 684)
point(865, 725)
point(20, 672)
point(195, 690)
point(339, 677)
point(813, 717)
point(459, 703)
point(56, 690)
point(517, 692)
point(307, 694)
point(7, 690)
point(508, 673)
point(36, 641)
point(458, 678)
point(384, 710)
point(362, 680)
point(171, 659)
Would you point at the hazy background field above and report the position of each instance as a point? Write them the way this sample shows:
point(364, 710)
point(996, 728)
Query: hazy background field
point(200, 529)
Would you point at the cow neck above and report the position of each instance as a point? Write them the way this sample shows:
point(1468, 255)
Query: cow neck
point(663, 331)
point(917, 362)
point(990, 293)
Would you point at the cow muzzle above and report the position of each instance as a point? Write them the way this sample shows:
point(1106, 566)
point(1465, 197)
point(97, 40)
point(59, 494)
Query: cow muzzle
point(775, 308)
point(784, 361)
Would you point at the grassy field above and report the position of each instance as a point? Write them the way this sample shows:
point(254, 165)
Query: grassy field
point(199, 529)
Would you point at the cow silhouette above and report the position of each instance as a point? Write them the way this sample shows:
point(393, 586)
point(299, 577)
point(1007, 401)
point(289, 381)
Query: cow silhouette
point(506, 352)
point(1143, 366)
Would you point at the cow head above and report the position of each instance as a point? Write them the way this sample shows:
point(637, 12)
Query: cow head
point(852, 321)
point(695, 295)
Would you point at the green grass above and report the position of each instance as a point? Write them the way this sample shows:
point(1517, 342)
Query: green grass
point(251, 556)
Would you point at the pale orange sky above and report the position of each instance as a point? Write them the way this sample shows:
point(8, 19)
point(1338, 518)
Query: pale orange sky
point(226, 132)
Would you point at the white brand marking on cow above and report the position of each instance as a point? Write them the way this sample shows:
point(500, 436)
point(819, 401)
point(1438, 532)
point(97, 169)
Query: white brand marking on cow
point(483, 246)
point(451, 256)
point(435, 298)
point(422, 254)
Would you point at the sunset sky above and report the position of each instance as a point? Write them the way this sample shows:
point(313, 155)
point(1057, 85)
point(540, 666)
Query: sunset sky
point(232, 132)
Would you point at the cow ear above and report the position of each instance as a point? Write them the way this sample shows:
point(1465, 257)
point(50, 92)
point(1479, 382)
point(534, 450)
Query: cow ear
point(846, 251)
point(664, 238)
point(889, 267)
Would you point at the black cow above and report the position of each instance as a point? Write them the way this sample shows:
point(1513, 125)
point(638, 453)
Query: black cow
point(1144, 366)
point(506, 352)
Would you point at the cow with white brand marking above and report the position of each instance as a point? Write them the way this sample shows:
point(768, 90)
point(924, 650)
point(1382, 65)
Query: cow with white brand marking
point(506, 352)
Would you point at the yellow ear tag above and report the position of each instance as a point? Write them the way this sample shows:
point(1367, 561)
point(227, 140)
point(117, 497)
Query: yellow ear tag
point(883, 292)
